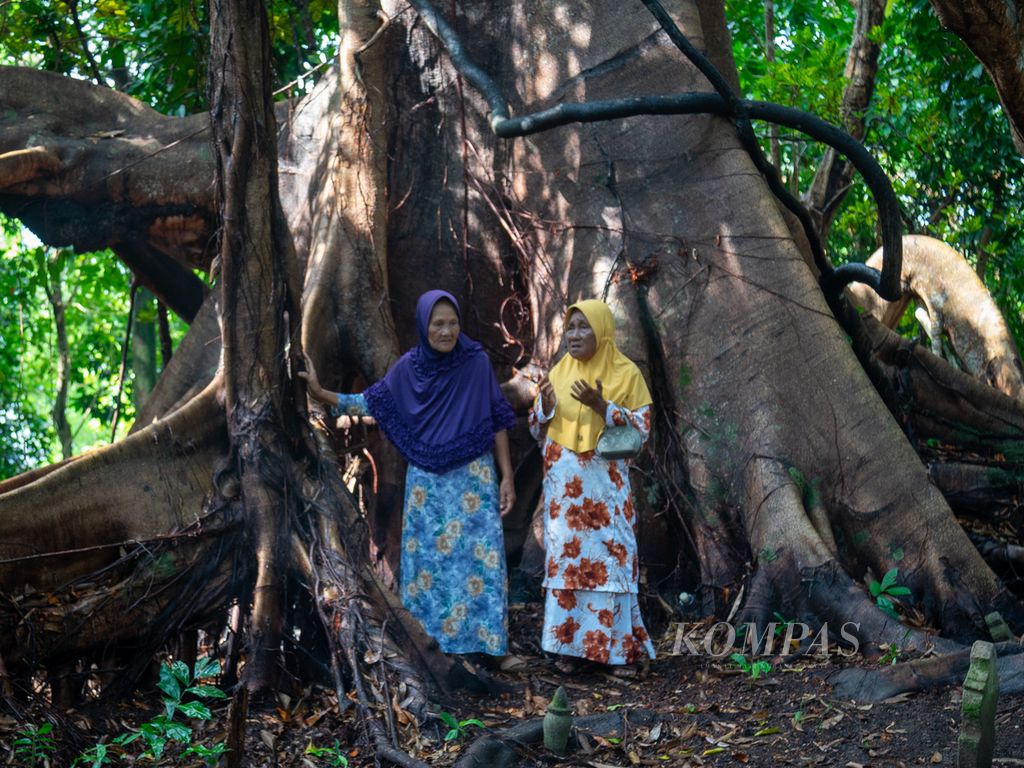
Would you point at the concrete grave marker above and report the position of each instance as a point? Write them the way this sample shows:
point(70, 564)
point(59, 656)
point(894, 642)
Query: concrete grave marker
point(978, 708)
point(997, 628)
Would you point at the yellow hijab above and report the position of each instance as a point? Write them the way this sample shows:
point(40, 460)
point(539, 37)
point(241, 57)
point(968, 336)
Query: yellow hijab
point(577, 426)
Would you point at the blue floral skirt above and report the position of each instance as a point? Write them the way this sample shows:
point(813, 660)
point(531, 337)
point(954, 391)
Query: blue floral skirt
point(453, 557)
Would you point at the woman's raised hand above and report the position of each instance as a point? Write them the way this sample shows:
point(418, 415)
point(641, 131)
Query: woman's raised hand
point(590, 396)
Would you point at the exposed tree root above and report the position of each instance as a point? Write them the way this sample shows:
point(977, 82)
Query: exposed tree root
point(797, 570)
point(932, 399)
point(504, 748)
point(88, 508)
point(154, 591)
point(865, 684)
point(13, 483)
point(981, 490)
point(1004, 558)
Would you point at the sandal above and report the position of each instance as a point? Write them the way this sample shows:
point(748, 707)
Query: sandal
point(568, 665)
point(512, 663)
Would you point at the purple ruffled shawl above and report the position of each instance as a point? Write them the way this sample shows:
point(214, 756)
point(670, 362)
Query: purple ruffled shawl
point(441, 410)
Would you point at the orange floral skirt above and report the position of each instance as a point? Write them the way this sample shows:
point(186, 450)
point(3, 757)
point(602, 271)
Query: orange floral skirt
point(605, 627)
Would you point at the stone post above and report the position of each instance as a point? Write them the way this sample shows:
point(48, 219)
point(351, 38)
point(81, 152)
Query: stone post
point(557, 722)
point(978, 708)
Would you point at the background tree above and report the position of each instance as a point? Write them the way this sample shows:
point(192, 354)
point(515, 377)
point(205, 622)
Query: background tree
point(960, 186)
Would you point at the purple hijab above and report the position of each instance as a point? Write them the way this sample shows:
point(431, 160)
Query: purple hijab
point(441, 410)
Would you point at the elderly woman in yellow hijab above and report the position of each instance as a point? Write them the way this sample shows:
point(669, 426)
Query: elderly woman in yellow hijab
point(591, 610)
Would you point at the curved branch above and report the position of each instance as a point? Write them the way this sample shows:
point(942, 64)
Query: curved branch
point(723, 103)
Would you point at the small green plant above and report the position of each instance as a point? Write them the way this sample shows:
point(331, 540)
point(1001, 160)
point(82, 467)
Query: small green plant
point(333, 755)
point(891, 655)
point(94, 757)
point(783, 624)
point(753, 670)
point(177, 683)
point(34, 744)
point(892, 651)
point(458, 729)
point(883, 591)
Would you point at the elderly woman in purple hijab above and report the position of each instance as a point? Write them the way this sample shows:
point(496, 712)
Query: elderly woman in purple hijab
point(441, 406)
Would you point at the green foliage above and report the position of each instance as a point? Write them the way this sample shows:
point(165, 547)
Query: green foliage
point(892, 651)
point(934, 123)
point(182, 694)
point(754, 669)
point(34, 745)
point(156, 50)
point(95, 293)
point(883, 591)
point(94, 757)
point(458, 729)
point(333, 755)
point(783, 624)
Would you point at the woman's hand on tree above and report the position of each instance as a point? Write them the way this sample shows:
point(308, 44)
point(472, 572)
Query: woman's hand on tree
point(313, 383)
point(590, 396)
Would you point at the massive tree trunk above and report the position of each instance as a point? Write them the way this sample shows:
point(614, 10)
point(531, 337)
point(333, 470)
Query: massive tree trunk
point(778, 467)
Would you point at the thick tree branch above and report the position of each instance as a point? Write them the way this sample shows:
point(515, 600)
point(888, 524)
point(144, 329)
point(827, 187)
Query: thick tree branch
point(122, 170)
point(21, 165)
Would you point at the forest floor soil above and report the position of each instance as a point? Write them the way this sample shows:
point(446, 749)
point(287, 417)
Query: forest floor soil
point(707, 712)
